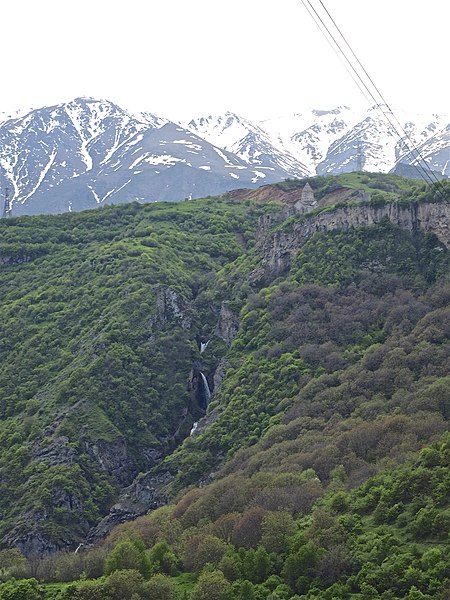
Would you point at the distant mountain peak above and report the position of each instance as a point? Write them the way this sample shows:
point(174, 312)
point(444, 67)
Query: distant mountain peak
point(87, 152)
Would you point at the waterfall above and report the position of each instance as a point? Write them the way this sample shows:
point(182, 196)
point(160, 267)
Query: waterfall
point(194, 427)
point(206, 390)
point(203, 346)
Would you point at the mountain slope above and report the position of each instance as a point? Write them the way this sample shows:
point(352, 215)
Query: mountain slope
point(309, 135)
point(118, 325)
point(51, 145)
point(87, 153)
point(102, 314)
point(342, 140)
point(163, 164)
point(247, 140)
point(297, 422)
point(334, 141)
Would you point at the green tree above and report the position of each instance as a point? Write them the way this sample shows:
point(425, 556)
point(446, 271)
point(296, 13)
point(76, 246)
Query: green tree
point(204, 549)
point(128, 554)
point(302, 563)
point(88, 590)
point(26, 589)
point(245, 590)
point(277, 527)
point(122, 584)
point(12, 564)
point(211, 585)
point(163, 559)
point(262, 565)
point(159, 587)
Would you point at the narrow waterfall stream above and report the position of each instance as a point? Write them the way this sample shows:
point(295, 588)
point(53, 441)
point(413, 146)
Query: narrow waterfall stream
point(206, 390)
point(203, 346)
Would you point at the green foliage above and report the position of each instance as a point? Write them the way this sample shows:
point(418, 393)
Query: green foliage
point(162, 559)
point(160, 587)
point(202, 550)
point(339, 258)
point(309, 354)
point(13, 565)
point(211, 586)
point(277, 528)
point(129, 554)
point(26, 589)
point(392, 186)
point(100, 312)
point(324, 470)
point(87, 590)
point(124, 585)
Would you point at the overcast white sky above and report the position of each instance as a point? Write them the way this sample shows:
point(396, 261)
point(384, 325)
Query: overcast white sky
point(181, 58)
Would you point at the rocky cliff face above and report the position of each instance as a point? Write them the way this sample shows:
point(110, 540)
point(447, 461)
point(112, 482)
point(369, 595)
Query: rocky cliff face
point(279, 248)
point(227, 324)
point(169, 306)
point(112, 458)
point(140, 498)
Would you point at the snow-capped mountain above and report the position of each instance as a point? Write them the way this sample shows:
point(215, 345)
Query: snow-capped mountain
point(332, 141)
point(372, 144)
point(87, 152)
point(248, 140)
point(53, 145)
point(310, 134)
point(342, 140)
point(15, 114)
point(369, 144)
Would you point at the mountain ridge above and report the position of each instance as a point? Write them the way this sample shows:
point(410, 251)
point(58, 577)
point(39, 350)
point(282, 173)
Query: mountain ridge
point(88, 152)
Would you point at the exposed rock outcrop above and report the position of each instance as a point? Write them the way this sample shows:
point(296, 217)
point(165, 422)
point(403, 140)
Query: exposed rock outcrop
point(30, 535)
point(219, 373)
point(279, 248)
point(227, 324)
point(140, 498)
point(203, 424)
point(169, 306)
point(56, 452)
point(31, 542)
point(112, 457)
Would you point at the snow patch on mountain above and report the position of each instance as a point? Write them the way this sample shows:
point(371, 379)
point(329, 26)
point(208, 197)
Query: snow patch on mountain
point(83, 153)
point(89, 152)
point(246, 139)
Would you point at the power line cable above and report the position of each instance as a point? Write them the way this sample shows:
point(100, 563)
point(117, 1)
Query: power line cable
point(424, 172)
point(375, 100)
point(418, 156)
point(419, 163)
point(339, 55)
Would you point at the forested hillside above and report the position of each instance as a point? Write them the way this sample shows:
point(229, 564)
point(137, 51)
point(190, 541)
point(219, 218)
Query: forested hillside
point(101, 315)
point(320, 469)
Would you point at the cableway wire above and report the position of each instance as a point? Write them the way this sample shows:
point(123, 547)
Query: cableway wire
point(424, 171)
point(414, 152)
point(335, 47)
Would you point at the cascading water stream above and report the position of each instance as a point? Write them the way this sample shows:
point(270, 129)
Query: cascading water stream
point(203, 346)
point(206, 390)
